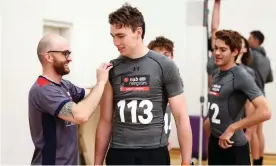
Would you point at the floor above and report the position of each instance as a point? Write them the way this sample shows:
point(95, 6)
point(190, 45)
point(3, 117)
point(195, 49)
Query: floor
point(175, 158)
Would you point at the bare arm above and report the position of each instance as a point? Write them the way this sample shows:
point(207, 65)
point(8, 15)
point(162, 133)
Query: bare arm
point(261, 114)
point(249, 110)
point(215, 21)
point(184, 131)
point(103, 133)
point(81, 112)
point(207, 127)
point(87, 91)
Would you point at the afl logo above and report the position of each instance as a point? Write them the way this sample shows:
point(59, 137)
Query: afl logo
point(126, 79)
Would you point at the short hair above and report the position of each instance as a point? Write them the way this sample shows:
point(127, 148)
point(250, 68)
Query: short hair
point(128, 16)
point(161, 42)
point(258, 35)
point(231, 38)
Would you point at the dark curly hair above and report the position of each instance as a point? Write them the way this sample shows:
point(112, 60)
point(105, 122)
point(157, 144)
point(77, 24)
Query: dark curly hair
point(231, 38)
point(128, 16)
point(161, 42)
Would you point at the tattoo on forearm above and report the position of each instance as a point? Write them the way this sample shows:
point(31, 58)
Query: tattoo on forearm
point(66, 110)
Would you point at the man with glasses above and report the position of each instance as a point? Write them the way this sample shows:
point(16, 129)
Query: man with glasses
point(56, 105)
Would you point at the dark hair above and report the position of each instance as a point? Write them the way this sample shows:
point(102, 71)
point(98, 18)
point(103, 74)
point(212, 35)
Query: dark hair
point(258, 35)
point(231, 38)
point(128, 16)
point(246, 58)
point(161, 42)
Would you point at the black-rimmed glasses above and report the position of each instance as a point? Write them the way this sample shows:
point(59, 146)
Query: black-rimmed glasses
point(66, 53)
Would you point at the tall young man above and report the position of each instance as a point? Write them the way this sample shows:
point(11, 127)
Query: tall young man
point(134, 102)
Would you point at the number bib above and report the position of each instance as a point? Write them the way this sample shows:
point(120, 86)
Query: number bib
point(215, 112)
point(135, 111)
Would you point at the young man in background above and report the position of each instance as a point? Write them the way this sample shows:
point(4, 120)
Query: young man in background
point(165, 47)
point(263, 72)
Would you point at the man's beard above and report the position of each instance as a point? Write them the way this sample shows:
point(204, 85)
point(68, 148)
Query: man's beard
point(60, 68)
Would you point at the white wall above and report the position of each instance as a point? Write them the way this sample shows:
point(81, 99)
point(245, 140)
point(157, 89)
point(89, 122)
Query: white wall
point(0, 80)
point(22, 26)
point(22, 29)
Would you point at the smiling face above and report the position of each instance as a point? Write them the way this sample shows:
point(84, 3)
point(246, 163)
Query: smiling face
point(125, 39)
point(127, 27)
point(223, 55)
point(57, 55)
point(227, 46)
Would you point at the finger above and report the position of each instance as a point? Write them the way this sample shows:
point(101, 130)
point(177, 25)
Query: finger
point(229, 142)
point(109, 67)
point(226, 144)
point(222, 143)
point(104, 65)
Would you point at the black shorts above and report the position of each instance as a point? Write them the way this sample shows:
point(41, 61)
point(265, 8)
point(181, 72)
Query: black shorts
point(159, 156)
point(235, 155)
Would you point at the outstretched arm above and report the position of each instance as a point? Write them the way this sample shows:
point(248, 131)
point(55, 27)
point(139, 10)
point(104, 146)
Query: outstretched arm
point(215, 21)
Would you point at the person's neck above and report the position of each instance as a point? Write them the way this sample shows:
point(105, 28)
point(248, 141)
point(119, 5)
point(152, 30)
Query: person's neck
point(140, 51)
point(52, 76)
point(238, 60)
point(256, 47)
point(227, 67)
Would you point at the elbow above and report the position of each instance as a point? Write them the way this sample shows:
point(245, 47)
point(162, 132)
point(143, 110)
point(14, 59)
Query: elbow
point(267, 115)
point(80, 118)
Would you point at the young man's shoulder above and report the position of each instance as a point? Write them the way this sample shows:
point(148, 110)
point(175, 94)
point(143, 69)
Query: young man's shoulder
point(117, 61)
point(239, 70)
point(164, 61)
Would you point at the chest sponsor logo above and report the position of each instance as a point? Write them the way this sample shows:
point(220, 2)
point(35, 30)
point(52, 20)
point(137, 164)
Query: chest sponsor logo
point(135, 83)
point(215, 90)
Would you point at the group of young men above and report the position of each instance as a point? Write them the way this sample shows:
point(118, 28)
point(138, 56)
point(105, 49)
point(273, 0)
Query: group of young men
point(252, 57)
point(137, 93)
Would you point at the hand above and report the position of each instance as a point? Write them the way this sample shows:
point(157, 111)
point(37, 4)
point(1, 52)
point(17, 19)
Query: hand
point(224, 139)
point(169, 145)
point(103, 72)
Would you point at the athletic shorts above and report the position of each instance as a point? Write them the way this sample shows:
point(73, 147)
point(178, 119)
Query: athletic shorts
point(235, 155)
point(158, 156)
